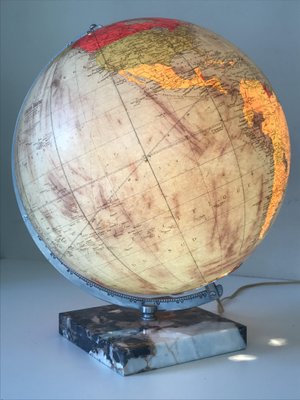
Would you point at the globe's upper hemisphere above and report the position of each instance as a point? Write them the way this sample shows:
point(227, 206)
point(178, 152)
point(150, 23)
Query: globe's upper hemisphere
point(152, 156)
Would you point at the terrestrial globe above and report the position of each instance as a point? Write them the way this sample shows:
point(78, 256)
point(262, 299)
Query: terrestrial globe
point(150, 158)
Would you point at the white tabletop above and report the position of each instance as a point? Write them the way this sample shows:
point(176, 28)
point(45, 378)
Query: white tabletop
point(37, 363)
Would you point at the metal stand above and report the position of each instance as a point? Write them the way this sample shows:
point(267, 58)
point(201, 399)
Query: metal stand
point(150, 306)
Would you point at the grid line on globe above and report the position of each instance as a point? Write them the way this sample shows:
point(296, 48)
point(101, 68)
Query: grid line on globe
point(151, 156)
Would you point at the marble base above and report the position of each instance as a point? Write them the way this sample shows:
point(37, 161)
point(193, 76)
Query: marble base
point(118, 338)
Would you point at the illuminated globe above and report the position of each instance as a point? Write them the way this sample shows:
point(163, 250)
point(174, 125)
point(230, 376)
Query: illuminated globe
point(150, 157)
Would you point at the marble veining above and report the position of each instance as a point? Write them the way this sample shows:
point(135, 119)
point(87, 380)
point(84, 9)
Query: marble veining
point(119, 339)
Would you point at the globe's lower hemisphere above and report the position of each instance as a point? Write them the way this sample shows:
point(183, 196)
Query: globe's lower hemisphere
point(151, 156)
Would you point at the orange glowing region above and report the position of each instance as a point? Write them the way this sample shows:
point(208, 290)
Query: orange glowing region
point(167, 78)
point(257, 99)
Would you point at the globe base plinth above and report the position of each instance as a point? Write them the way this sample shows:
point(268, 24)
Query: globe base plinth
point(120, 339)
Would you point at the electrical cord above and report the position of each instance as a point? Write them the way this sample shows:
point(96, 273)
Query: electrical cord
point(220, 303)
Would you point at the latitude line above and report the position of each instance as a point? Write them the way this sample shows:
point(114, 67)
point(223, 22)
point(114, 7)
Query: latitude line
point(129, 132)
point(201, 223)
point(93, 216)
point(44, 82)
point(184, 203)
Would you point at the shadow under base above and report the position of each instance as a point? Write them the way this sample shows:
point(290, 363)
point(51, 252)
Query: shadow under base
point(121, 340)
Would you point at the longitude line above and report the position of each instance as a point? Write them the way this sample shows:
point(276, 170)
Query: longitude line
point(93, 218)
point(124, 210)
point(239, 168)
point(143, 150)
point(159, 186)
point(199, 167)
point(230, 139)
point(71, 191)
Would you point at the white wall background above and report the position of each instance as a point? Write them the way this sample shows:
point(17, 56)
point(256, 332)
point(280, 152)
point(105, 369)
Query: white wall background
point(32, 32)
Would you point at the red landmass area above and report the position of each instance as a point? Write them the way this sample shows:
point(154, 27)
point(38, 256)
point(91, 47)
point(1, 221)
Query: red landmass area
point(109, 34)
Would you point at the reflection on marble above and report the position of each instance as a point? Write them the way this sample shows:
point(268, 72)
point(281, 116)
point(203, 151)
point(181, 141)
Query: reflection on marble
point(121, 340)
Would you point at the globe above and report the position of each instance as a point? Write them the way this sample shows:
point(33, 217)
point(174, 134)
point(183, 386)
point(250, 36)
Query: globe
point(150, 157)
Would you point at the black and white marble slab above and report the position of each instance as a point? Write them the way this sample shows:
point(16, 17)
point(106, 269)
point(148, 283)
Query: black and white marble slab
point(118, 338)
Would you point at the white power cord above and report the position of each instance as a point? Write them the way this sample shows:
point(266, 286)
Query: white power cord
point(252, 285)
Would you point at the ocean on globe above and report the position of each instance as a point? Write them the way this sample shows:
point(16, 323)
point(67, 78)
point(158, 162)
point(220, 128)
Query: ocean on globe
point(150, 157)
